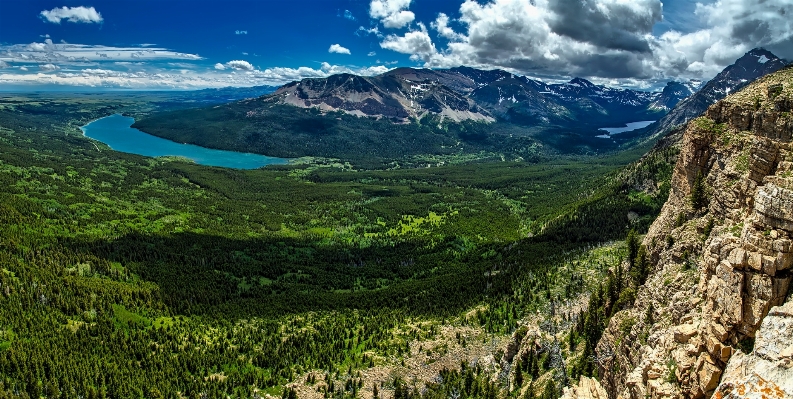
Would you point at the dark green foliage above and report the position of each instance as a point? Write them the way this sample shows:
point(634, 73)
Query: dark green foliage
point(649, 316)
point(122, 276)
point(618, 293)
point(640, 269)
point(746, 345)
point(571, 343)
point(699, 196)
point(289, 132)
point(633, 247)
point(518, 375)
point(680, 219)
point(708, 228)
point(550, 391)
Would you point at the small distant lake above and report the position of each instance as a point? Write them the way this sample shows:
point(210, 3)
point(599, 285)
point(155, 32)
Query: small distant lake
point(116, 132)
point(627, 128)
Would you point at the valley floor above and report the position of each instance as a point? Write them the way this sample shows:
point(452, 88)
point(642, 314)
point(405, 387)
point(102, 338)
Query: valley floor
point(125, 276)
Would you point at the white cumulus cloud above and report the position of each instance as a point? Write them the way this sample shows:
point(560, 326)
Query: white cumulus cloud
point(149, 77)
point(598, 39)
point(416, 43)
point(49, 52)
point(731, 28)
point(80, 14)
point(338, 49)
point(371, 31)
point(239, 65)
point(48, 67)
point(392, 13)
point(441, 24)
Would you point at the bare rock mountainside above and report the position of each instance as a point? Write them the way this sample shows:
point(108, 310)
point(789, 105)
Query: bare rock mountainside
point(712, 320)
point(750, 66)
point(462, 93)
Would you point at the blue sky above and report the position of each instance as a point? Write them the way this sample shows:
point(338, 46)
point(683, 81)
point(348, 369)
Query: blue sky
point(281, 33)
point(176, 44)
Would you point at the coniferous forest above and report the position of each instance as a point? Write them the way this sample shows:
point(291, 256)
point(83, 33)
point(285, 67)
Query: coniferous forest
point(123, 276)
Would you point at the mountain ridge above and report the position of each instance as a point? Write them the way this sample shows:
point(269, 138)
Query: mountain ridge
point(464, 93)
point(752, 65)
point(406, 112)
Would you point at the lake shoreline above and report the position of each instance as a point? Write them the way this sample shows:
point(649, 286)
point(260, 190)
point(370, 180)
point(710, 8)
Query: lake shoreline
point(116, 132)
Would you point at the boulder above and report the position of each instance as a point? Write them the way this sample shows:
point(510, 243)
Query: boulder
point(725, 292)
point(737, 258)
point(774, 207)
point(685, 332)
point(708, 373)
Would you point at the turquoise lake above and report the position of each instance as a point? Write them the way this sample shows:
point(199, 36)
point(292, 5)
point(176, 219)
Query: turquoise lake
point(116, 132)
point(627, 128)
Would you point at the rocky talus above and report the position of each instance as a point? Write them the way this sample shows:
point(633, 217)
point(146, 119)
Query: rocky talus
point(708, 322)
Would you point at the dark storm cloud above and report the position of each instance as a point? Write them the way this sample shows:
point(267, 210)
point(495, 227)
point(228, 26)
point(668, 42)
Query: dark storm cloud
point(617, 65)
point(614, 26)
point(606, 39)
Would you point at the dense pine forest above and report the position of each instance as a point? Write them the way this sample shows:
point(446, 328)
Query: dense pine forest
point(131, 277)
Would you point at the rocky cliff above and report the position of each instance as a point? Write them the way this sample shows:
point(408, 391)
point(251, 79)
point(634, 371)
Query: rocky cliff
point(721, 255)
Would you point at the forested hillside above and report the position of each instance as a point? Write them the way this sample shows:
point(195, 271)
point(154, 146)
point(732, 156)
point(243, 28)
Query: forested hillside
point(125, 276)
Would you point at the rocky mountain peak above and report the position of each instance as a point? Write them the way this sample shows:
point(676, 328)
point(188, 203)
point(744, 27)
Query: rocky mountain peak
point(464, 93)
point(756, 62)
point(581, 82)
point(673, 93)
point(758, 55)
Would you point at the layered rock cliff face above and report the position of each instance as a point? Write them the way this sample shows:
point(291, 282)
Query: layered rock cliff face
point(722, 255)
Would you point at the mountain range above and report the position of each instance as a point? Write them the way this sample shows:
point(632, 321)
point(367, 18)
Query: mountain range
point(446, 111)
point(465, 93)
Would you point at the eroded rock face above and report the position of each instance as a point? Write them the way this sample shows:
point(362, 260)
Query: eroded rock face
point(767, 372)
point(587, 388)
point(712, 294)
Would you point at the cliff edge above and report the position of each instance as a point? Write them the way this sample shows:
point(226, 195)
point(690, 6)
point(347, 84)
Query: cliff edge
point(712, 319)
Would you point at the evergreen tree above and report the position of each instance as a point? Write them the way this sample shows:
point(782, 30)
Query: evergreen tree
point(633, 247)
point(698, 192)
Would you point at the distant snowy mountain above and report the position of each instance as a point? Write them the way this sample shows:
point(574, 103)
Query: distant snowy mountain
point(673, 93)
point(750, 66)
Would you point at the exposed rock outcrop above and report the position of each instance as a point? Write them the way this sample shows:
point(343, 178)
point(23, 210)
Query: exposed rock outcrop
point(587, 388)
point(720, 269)
point(767, 372)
